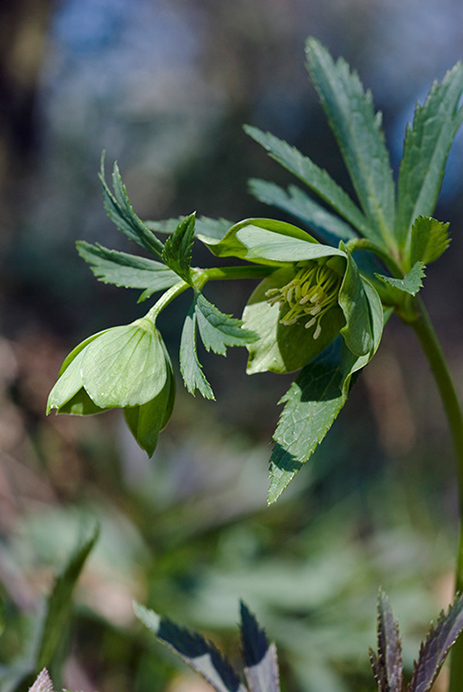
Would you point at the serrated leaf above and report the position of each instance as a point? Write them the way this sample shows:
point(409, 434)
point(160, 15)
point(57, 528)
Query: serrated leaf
point(58, 605)
point(43, 683)
point(411, 283)
point(316, 178)
point(314, 401)
point(260, 658)
point(190, 367)
point(429, 240)
point(125, 270)
point(426, 148)
point(179, 247)
point(434, 650)
point(121, 213)
point(357, 128)
point(201, 655)
point(327, 226)
point(218, 330)
point(387, 664)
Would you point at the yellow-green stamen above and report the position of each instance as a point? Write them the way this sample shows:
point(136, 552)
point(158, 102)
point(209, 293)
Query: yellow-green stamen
point(311, 293)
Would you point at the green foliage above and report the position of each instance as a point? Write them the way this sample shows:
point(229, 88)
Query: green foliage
point(310, 292)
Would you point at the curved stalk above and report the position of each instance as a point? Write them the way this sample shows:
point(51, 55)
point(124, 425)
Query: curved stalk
point(436, 358)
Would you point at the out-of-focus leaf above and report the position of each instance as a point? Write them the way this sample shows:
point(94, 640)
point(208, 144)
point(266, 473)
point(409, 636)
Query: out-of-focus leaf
point(357, 128)
point(199, 654)
point(58, 605)
point(210, 229)
point(326, 225)
point(121, 213)
point(127, 271)
point(387, 663)
point(178, 248)
point(434, 650)
point(316, 178)
point(427, 144)
point(260, 658)
point(411, 283)
point(430, 239)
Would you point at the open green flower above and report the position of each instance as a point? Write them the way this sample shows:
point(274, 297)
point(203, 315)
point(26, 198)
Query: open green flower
point(123, 367)
point(315, 293)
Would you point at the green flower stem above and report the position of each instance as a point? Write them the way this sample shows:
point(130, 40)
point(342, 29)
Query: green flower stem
point(165, 299)
point(222, 273)
point(433, 350)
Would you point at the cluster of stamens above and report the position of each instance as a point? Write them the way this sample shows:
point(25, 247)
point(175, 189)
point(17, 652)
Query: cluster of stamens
point(311, 293)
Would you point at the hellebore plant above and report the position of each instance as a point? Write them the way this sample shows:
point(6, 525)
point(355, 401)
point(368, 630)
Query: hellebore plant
point(320, 306)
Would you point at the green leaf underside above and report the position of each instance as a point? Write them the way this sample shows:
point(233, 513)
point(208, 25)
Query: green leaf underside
point(429, 240)
point(190, 367)
point(434, 650)
point(146, 422)
point(213, 230)
point(387, 664)
point(357, 128)
point(313, 402)
point(232, 246)
point(218, 330)
point(261, 665)
point(281, 348)
point(411, 283)
point(316, 178)
point(201, 655)
point(267, 245)
point(125, 270)
point(326, 225)
point(58, 604)
point(426, 147)
point(121, 213)
point(178, 248)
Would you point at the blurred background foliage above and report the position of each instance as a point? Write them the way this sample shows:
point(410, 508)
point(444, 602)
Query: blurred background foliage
point(164, 87)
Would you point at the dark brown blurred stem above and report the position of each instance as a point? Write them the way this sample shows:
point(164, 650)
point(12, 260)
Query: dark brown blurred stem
point(433, 350)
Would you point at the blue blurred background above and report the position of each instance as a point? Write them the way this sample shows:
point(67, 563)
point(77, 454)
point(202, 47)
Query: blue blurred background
point(164, 87)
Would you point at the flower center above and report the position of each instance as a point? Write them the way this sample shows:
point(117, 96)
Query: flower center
point(311, 293)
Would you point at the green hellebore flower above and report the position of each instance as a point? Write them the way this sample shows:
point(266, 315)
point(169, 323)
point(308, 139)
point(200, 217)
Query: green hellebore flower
point(124, 367)
point(315, 293)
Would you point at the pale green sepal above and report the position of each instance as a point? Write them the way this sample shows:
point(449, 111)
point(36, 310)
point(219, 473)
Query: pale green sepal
point(353, 302)
point(429, 240)
point(274, 246)
point(232, 246)
point(411, 283)
point(281, 348)
point(125, 366)
point(69, 381)
point(146, 421)
point(80, 405)
point(80, 347)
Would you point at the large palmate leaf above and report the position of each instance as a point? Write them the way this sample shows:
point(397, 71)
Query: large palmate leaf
point(387, 663)
point(201, 655)
point(327, 226)
point(128, 271)
point(260, 658)
point(178, 248)
point(218, 330)
point(426, 148)
point(190, 367)
point(358, 132)
point(121, 213)
point(316, 178)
